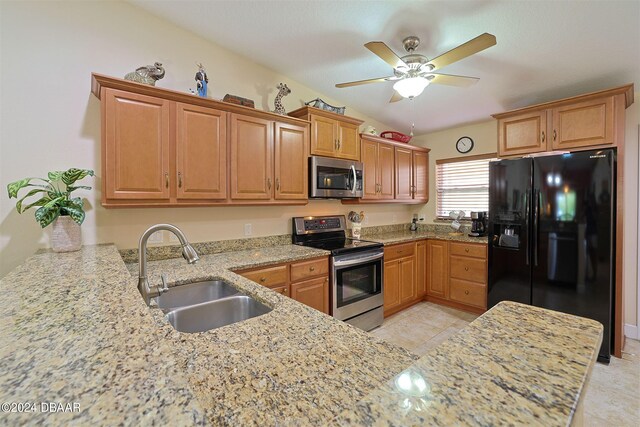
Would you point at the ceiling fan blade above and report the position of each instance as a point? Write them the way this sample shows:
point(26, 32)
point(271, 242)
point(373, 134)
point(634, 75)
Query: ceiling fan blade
point(396, 97)
point(476, 45)
point(451, 80)
point(364, 82)
point(386, 54)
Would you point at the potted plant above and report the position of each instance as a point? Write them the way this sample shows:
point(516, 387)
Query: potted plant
point(55, 205)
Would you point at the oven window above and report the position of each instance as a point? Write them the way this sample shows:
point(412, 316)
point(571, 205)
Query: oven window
point(334, 178)
point(357, 283)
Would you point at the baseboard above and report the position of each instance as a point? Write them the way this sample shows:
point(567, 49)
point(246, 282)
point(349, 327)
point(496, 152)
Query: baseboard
point(631, 331)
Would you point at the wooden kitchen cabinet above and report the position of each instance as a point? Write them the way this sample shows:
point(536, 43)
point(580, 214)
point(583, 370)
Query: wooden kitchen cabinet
point(378, 161)
point(393, 172)
point(391, 286)
point(437, 268)
point(523, 134)
point(583, 124)
point(290, 168)
point(201, 152)
point(136, 152)
point(331, 134)
point(251, 157)
point(314, 293)
point(165, 148)
point(304, 281)
point(400, 277)
point(421, 268)
point(408, 288)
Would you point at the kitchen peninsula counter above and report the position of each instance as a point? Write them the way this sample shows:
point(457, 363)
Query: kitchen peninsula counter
point(75, 329)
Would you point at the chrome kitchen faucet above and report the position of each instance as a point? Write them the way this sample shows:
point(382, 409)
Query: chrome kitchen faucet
point(147, 291)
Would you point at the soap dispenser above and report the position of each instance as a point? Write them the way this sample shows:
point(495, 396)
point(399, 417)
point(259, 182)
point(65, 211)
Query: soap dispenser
point(414, 222)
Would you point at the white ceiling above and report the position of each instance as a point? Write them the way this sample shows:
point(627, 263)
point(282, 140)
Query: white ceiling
point(546, 50)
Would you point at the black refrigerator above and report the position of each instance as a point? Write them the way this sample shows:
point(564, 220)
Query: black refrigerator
point(552, 234)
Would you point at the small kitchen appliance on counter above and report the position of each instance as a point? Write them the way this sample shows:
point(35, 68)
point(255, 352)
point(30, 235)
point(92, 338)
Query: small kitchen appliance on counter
point(478, 224)
point(356, 274)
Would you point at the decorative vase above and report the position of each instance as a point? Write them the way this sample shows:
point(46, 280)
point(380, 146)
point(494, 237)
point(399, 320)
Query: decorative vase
point(66, 235)
point(356, 228)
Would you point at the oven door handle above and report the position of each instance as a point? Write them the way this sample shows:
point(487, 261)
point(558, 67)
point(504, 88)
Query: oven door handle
point(355, 177)
point(358, 260)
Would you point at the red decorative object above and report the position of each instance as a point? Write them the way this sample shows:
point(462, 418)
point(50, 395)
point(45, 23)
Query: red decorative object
point(396, 136)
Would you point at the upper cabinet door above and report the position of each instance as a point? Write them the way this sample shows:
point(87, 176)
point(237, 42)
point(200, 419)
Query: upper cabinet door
point(370, 172)
point(583, 124)
point(386, 171)
point(348, 141)
point(421, 176)
point(523, 134)
point(136, 148)
point(324, 141)
point(403, 174)
point(201, 152)
point(251, 158)
point(291, 175)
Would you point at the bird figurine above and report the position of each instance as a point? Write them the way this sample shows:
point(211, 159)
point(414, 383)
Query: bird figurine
point(201, 81)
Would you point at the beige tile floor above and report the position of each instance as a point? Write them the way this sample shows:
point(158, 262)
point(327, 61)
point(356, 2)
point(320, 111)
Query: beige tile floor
point(613, 395)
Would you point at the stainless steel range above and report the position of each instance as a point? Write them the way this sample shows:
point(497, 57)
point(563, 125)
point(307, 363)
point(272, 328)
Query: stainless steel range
point(356, 269)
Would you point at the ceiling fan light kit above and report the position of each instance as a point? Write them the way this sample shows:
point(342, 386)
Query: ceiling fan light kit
point(411, 87)
point(413, 72)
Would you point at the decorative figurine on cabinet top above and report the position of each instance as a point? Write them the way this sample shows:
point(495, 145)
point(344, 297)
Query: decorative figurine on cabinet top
point(201, 81)
point(148, 74)
point(283, 91)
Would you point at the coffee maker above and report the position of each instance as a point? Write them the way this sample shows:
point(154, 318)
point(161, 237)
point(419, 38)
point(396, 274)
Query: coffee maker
point(478, 224)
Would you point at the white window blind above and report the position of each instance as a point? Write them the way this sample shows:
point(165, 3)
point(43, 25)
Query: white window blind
point(462, 185)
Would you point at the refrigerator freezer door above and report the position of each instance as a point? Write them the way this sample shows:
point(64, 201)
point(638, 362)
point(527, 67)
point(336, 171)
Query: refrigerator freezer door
point(574, 240)
point(508, 231)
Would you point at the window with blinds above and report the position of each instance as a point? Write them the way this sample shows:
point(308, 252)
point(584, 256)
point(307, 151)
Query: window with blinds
point(462, 185)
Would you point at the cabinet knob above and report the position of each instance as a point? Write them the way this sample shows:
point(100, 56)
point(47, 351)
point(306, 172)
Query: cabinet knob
point(543, 136)
point(555, 135)
point(179, 179)
point(466, 250)
point(312, 269)
point(466, 292)
point(277, 183)
point(166, 180)
point(263, 279)
point(466, 269)
point(269, 183)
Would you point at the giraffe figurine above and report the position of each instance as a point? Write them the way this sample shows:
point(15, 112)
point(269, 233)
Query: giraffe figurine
point(283, 91)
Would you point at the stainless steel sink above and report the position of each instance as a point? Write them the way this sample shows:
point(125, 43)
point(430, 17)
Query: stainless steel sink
point(215, 314)
point(194, 293)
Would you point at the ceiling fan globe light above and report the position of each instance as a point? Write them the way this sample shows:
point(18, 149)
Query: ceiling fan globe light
point(411, 87)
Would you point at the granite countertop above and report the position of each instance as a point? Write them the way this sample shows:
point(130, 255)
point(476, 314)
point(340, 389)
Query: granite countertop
point(75, 329)
point(400, 236)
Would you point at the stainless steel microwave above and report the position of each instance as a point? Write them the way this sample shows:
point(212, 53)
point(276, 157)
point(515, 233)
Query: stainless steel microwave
point(334, 178)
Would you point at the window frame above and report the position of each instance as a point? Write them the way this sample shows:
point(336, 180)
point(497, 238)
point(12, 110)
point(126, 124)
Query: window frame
point(486, 156)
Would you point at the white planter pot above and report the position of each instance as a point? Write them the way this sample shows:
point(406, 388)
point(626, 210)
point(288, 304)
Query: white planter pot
point(66, 235)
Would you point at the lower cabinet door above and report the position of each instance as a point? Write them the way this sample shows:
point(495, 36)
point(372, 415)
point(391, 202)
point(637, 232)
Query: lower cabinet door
point(437, 274)
point(421, 268)
point(391, 284)
point(314, 293)
point(408, 291)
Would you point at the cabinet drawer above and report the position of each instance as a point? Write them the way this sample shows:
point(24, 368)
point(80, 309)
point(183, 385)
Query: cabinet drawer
point(309, 269)
point(468, 249)
point(399, 251)
point(468, 293)
point(269, 277)
point(465, 268)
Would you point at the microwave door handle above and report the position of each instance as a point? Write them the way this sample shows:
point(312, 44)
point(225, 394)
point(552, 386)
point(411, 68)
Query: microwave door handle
point(359, 260)
point(355, 177)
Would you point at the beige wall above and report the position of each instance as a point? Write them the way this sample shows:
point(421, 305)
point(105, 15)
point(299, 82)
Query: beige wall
point(49, 119)
point(443, 146)
point(485, 136)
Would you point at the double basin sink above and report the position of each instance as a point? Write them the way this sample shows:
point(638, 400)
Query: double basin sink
point(205, 305)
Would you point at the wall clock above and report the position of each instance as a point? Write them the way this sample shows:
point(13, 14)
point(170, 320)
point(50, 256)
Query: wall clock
point(464, 145)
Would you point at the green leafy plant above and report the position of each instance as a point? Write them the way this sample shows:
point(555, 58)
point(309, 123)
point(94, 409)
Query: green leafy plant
point(55, 195)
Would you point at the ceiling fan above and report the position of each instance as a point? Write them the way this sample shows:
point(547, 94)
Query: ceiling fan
point(414, 72)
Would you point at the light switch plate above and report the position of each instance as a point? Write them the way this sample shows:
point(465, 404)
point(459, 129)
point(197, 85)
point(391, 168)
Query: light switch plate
point(248, 230)
point(172, 237)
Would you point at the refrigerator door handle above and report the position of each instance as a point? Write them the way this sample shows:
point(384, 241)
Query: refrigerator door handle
point(536, 221)
point(527, 204)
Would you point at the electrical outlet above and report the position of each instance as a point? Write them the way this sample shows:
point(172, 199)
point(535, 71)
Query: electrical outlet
point(248, 230)
point(172, 237)
point(156, 237)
